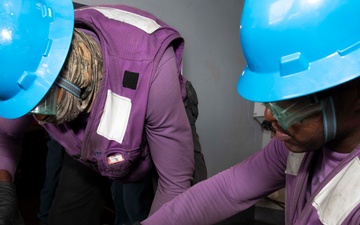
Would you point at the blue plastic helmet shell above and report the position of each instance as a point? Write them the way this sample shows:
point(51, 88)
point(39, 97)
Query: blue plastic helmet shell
point(35, 37)
point(298, 47)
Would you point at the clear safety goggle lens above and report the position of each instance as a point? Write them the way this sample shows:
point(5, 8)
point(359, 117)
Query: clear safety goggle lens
point(47, 106)
point(290, 112)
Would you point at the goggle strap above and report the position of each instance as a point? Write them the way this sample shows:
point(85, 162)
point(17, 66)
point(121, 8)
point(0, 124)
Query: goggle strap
point(329, 118)
point(67, 85)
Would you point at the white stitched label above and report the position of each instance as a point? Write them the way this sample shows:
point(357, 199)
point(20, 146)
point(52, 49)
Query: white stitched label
point(115, 117)
point(339, 197)
point(146, 24)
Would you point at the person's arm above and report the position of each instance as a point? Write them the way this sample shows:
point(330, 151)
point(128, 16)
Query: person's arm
point(228, 192)
point(169, 133)
point(11, 133)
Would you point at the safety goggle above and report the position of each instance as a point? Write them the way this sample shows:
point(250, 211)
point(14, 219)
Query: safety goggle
point(48, 105)
point(292, 111)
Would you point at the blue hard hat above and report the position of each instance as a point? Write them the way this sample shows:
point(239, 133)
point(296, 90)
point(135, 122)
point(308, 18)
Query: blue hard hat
point(35, 37)
point(298, 47)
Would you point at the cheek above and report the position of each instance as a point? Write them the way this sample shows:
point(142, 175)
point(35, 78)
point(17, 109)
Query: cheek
point(309, 134)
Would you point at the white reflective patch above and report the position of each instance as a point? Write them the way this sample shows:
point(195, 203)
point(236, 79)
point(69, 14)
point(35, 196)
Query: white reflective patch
point(293, 163)
point(115, 117)
point(146, 24)
point(339, 197)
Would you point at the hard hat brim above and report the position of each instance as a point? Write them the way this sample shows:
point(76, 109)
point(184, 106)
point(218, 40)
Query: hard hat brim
point(60, 35)
point(333, 70)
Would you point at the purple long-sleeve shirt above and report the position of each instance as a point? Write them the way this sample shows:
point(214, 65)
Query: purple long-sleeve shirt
point(226, 193)
point(167, 130)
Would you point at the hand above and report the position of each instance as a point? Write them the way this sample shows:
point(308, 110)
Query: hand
point(5, 176)
point(9, 212)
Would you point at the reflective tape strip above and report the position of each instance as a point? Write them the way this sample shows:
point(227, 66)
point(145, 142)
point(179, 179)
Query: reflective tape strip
point(146, 24)
point(340, 196)
point(115, 118)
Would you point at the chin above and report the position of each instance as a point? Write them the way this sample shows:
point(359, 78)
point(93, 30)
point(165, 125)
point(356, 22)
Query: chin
point(300, 149)
point(295, 148)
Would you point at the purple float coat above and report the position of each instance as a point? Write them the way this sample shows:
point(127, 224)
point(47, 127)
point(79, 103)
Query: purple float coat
point(157, 122)
point(335, 200)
